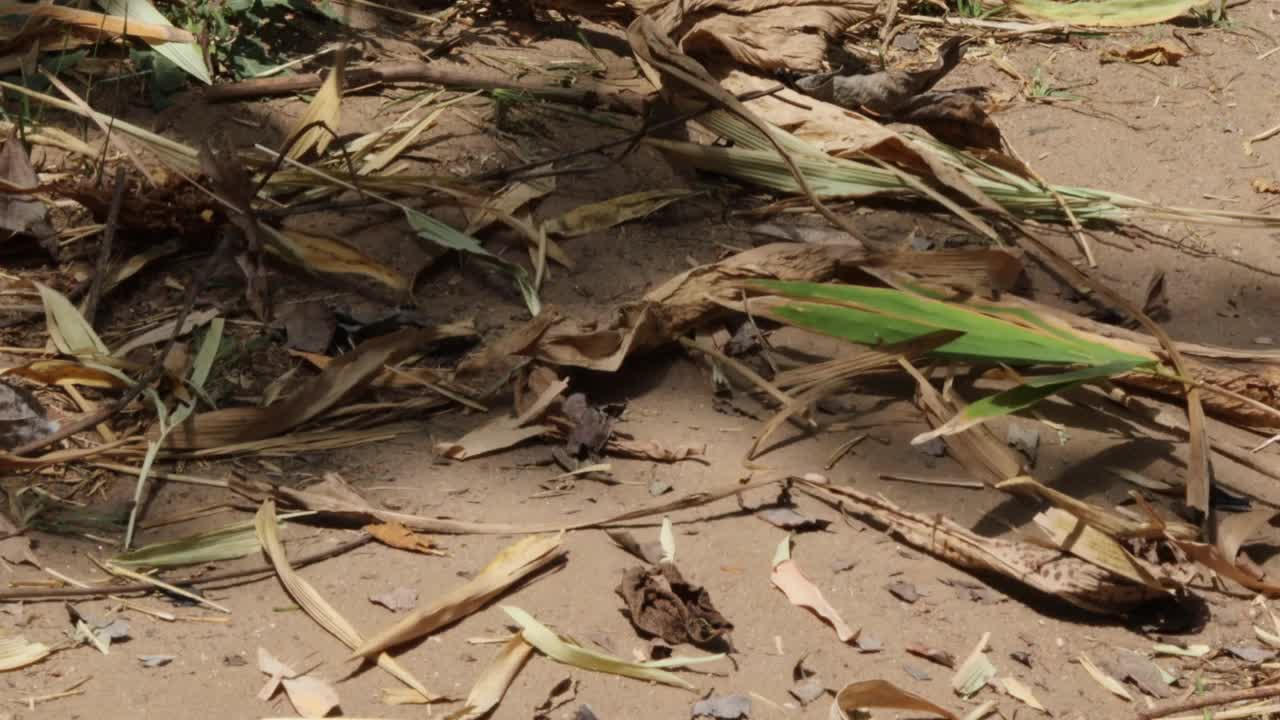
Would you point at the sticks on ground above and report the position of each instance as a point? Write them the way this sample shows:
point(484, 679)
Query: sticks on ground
point(1209, 699)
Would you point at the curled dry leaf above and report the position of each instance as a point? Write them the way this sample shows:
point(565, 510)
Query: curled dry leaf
point(867, 694)
point(661, 602)
point(801, 591)
point(396, 535)
point(515, 563)
point(1166, 52)
point(783, 34)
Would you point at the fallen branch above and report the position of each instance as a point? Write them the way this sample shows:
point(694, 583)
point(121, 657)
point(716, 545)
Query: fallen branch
point(1202, 701)
point(264, 570)
point(437, 73)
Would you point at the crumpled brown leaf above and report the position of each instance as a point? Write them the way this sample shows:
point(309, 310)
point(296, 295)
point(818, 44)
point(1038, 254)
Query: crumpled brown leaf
point(662, 603)
point(765, 34)
point(1166, 52)
point(907, 96)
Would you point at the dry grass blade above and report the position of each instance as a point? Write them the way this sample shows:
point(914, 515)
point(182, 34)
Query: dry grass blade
point(314, 604)
point(1086, 542)
point(586, 219)
point(1108, 522)
point(318, 126)
point(504, 432)
point(186, 55)
point(570, 653)
point(225, 543)
point(167, 587)
point(342, 377)
point(494, 680)
point(853, 700)
point(517, 562)
point(98, 22)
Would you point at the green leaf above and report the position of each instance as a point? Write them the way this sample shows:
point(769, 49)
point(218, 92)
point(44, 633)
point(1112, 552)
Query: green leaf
point(185, 55)
point(446, 236)
point(1025, 395)
point(875, 316)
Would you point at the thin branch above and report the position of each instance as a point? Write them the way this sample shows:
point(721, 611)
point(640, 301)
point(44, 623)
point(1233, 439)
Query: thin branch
point(1203, 701)
point(103, 270)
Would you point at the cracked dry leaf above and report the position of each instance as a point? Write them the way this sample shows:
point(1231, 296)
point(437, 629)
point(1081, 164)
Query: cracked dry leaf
point(504, 431)
point(801, 591)
point(853, 700)
point(976, 670)
point(515, 563)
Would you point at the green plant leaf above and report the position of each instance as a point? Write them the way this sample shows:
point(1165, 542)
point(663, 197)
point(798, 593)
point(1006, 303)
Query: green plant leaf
point(1030, 392)
point(875, 316)
point(185, 55)
point(446, 236)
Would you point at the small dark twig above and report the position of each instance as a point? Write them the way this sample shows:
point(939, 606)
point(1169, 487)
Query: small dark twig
point(210, 578)
point(101, 273)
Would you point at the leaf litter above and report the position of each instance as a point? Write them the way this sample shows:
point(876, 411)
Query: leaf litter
point(1098, 559)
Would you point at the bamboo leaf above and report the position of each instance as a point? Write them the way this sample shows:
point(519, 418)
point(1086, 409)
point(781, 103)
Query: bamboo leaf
point(1030, 392)
point(569, 653)
point(186, 55)
point(70, 333)
point(16, 652)
point(225, 543)
point(445, 236)
point(592, 217)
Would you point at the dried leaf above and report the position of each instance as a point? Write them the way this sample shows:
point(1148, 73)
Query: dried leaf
point(186, 55)
point(883, 93)
point(494, 681)
point(1086, 542)
point(1019, 691)
point(311, 696)
point(70, 333)
point(161, 333)
point(278, 671)
point(594, 217)
point(314, 604)
point(515, 563)
point(660, 602)
point(107, 24)
point(228, 542)
point(397, 535)
point(16, 652)
point(66, 372)
point(1263, 185)
point(504, 432)
point(976, 670)
point(667, 540)
point(1108, 522)
point(801, 591)
point(723, 707)
point(20, 213)
point(343, 377)
point(1111, 684)
point(941, 657)
point(859, 696)
point(1166, 52)
point(330, 256)
point(569, 653)
point(1105, 13)
point(1191, 651)
point(325, 108)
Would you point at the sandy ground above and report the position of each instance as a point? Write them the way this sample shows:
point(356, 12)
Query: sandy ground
point(1178, 141)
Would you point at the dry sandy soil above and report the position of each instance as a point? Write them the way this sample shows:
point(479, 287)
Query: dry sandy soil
point(1171, 134)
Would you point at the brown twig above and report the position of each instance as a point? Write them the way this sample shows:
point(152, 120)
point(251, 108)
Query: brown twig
point(1202, 701)
point(101, 273)
point(436, 73)
point(264, 570)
